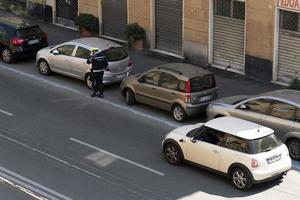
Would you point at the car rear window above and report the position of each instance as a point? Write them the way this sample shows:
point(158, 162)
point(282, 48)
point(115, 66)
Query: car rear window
point(26, 32)
point(202, 83)
point(266, 143)
point(115, 54)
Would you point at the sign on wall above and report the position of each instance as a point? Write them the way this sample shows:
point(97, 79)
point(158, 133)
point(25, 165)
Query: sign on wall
point(289, 4)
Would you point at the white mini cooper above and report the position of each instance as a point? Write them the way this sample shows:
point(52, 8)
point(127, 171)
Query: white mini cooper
point(246, 152)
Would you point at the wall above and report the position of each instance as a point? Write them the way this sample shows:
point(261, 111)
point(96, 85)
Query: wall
point(195, 31)
point(89, 6)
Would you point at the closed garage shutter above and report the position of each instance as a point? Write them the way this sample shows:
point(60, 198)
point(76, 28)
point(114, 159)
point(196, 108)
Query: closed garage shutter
point(114, 18)
point(168, 26)
point(228, 30)
point(289, 47)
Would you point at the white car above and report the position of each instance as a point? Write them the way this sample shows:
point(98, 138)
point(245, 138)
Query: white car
point(246, 152)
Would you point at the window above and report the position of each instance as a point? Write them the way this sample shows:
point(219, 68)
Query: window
point(230, 8)
point(181, 86)
point(202, 83)
point(283, 110)
point(27, 32)
point(152, 77)
point(258, 105)
point(168, 81)
point(3, 32)
point(208, 135)
point(289, 20)
point(237, 144)
point(223, 7)
point(66, 49)
point(266, 143)
point(82, 53)
point(115, 54)
point(239, 10)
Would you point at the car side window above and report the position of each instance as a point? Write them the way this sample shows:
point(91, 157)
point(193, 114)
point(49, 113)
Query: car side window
point(3, 32)
point(168, 81)
point(208, 135)
point(82, 53)
point(283, 110)
point(258, 105)
point(66, 49)
point(237, 144)
point(152, 77)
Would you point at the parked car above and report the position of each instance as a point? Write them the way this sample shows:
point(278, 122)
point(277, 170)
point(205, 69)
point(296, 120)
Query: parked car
point(279, 110)
point(248, 153)
point(20, 38)
point(70, 58)
point(181, 88)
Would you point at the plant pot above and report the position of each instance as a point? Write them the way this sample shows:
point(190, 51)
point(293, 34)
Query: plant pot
point(137, 45)
point(85, 33)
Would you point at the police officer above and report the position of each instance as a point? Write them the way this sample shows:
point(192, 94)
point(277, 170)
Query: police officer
point(99, 65)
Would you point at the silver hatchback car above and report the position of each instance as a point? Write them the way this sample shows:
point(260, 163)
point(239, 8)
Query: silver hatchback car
point(279, 110)
point(70, 59)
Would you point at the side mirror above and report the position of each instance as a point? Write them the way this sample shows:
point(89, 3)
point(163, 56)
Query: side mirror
point(243, 107)
point(193, 140)
point(55, 52)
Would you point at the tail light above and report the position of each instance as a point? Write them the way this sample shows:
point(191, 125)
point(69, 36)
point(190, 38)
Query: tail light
point(254, 163)
point(17, 41)
point(188, 89)
point(130, 63)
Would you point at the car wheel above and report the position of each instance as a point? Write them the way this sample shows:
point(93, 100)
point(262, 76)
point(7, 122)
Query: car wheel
point(7, 55)
point(88, 81)
point(172, 154)
point(241, 179)
point(178, 113)
point(129, 97)
point(44, 68)
point(294, 148)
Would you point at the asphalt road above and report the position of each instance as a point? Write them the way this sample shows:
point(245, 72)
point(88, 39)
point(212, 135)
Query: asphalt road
point(59, 143)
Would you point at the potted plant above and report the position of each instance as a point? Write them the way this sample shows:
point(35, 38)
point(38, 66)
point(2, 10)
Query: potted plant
point(135, 35)
point(88, 24)
point(295, 84)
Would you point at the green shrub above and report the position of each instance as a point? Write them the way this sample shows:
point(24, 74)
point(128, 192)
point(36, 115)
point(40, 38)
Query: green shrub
point(134, 32)
point(88, 22)
point(295, 85)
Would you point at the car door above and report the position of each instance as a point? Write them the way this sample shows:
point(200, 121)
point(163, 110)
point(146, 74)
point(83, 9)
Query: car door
point(146, 91)
point(281, 118)
point(78, 65)
point(61, 62)
point(253, 110)
point(168, 90)
point(203, 149)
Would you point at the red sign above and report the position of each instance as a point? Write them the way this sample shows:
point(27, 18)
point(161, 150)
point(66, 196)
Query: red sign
point(289, 4)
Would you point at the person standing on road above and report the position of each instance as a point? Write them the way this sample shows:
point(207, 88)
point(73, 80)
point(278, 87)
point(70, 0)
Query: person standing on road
point(99, 65)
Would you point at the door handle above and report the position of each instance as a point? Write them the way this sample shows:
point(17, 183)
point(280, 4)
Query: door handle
point(215, 151)
point(172, 93)
point(153, 88)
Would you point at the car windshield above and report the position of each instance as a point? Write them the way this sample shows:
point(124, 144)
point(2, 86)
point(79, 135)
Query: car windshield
point(266, 143)
point(115, 54)
point(26, 32)
point(202, 83)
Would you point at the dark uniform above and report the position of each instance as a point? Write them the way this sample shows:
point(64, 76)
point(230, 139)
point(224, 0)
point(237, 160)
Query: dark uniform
point(99, 65)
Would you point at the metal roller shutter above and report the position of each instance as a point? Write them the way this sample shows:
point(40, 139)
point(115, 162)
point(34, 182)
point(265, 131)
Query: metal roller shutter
point(229, 42)
point(288, 56)
point(114, 18)
point(66, 11)
point(168, 25)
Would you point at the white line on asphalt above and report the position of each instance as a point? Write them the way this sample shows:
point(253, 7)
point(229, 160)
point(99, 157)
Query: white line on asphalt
point(29, 186)
point(118, 157)
point(171, 124)
point(6, 113)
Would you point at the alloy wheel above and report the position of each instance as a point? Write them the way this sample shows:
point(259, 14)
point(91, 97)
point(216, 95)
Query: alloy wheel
point(178, 113)
point(294, 149)
point(239, 179)
point(6, 55)
point(44, 69)
point(171, 154)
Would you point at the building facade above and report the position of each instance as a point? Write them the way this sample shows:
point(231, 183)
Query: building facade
point(259, 38)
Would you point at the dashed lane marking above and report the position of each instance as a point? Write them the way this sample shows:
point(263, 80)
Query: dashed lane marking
point(6, 113)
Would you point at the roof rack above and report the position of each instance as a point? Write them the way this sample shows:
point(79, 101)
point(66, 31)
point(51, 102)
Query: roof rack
point(170, 69)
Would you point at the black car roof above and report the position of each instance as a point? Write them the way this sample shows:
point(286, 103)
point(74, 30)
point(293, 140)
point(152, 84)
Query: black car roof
point(15, 22)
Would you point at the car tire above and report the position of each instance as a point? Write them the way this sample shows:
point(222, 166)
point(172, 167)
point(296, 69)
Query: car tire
point(43, 67)
point(178, 113)
point(88, 81)
point(294, 148)
point(7, 55)
point(240, 178)
point(129, 97)
point(172, 154)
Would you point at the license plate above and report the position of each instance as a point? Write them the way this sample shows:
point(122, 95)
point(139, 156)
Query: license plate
point(273, 159)
point(121, 76)
point(205, 98)
point(33, 41)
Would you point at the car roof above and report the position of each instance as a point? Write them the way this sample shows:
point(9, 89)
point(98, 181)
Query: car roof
point(15, 22)
point(239, 127)
point(184, 69)
point(95, 42)
point(284, 94)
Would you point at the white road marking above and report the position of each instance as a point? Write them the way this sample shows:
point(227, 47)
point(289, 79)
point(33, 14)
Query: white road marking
point(118, 157)
point(6, 113)
point(34, 77)
point(29, 187)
